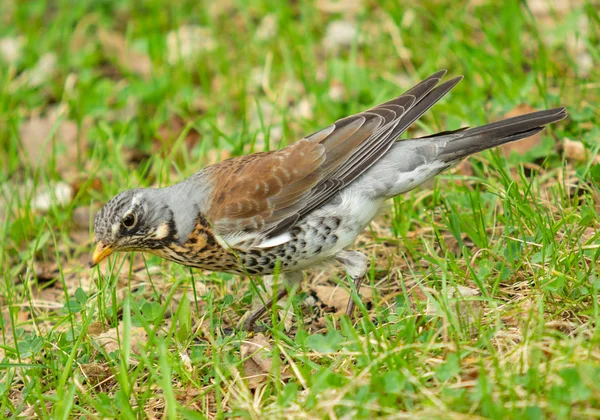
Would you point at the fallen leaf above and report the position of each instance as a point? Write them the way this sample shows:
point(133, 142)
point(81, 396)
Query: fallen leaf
point(576, 150)
point(220, 8)
point(43, 70)
point(95, 373)
point(55, 194)
point(11, 49)
point(521, 146)
point(192, 398)
point(350, 7)
point(169, 133)
point(587, 235)
point(337, 91)
point(47, 139)
point(128, 111)
point(48, 298)
point(555, 14)
point(217, 155)
point(263, 112)
point(462, 303)
point(45, 271)
point(115, 46)
point(81, 238)
point(134, 156)
point(302, 110)
point(109, 342)
point(95, 328)
point(585, 63)
point(31, 411)
point(340, 34)
point(82, 217)
point(188, 42)
point(82, 183)
point(22, 316)
point(258, 364)
point(267, 28)
point(337, 297)
point(186, 361)
point(43, 196)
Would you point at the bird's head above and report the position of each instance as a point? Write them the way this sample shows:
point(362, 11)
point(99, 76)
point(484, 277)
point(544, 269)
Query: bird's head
point(134, 220)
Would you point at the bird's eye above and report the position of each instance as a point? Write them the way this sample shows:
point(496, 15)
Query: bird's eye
point(129, 220)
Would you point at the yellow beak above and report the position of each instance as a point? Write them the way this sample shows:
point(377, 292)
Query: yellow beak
point(101, 252)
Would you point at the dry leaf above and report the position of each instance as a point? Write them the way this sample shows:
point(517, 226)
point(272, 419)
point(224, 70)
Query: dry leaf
point(109, 342)
point(45, 271)
point(217, 155)
point(11, 49)
point(134, 156)
point(349, 7)
point(115, 45)
point(462, 304)
point(95, 328)
point(259, 363)
point(32, 411)
point(82, 183)
point(220, 8)
point(169, 133)
point(186, 361)
point(56, 193)
point(337, 91)
point(267, 28)
point(337, 297)
point(303, 110)
point(95, 373)
point(552, 14)
point(38, 147)
point(575, 150)
point(22, 316)
point(82, 217)
point(340, 34)
point(48, 298)
point(43, 70)
point(43, 197)
point(188, 42)
point(521, 146)
point(587, 235)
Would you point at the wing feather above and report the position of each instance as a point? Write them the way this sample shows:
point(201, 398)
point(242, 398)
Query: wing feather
point(266, 193)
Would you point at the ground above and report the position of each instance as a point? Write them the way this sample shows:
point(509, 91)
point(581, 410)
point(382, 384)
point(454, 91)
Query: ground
point(482, 298)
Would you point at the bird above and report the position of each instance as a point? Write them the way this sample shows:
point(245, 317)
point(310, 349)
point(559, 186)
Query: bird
point(282, 212)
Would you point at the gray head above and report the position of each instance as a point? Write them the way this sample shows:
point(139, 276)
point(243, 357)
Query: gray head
point(134, 220)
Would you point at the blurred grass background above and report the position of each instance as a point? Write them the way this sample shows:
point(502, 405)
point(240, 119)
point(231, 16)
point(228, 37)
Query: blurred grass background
point(484, 286)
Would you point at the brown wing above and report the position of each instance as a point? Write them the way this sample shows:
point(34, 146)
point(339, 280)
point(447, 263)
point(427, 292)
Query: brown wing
point(268, 192)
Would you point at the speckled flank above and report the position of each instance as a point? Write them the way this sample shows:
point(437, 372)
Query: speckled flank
point(202, 250)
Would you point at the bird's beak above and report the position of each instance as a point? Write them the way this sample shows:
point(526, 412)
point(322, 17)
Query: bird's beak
point(101, 252)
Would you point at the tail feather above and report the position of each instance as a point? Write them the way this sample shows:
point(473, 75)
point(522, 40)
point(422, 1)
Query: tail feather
point(411, 162)
point(462, 143)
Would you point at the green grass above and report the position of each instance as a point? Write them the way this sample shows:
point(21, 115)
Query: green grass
point(140, 337)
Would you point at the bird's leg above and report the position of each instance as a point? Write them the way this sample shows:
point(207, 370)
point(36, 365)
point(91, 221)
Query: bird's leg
point(355, 265)
point(350, 305)
point(254, 316)
point(288, 279)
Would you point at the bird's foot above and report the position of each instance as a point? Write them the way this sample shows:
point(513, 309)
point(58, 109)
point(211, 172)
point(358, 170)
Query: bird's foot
point(250, 321)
